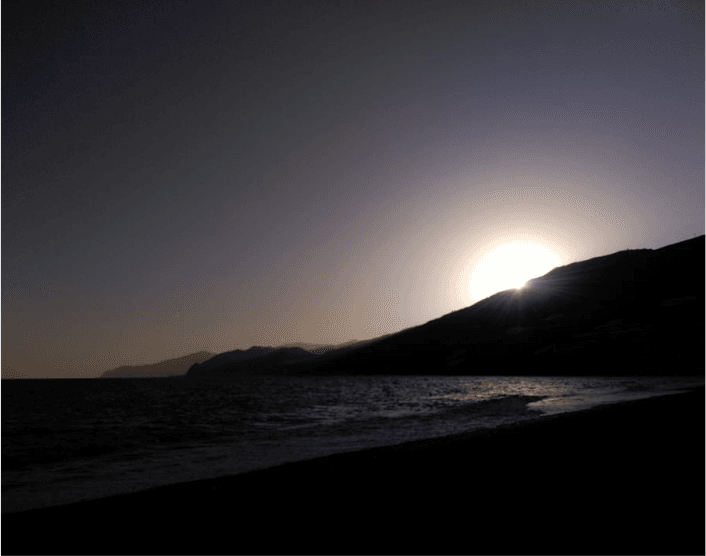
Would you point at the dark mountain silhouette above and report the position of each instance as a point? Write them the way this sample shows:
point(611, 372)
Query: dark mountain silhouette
point(269, 360)
point(170, 367)
point(235, 356)
point(632, 312)
point(320, 349)
point(207, 362)
point(260, 360)
point(312, 348)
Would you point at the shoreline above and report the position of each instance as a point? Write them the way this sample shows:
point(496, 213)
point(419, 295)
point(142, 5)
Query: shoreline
point(624, 478)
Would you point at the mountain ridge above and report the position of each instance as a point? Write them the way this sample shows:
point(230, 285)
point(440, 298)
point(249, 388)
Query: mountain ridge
point(630, 312)
point(265, 360)
point(562, 323)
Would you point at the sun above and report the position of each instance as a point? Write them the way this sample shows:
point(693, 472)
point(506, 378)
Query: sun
point(509, 266)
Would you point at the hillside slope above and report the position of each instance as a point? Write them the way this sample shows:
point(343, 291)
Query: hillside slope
point(632, 312)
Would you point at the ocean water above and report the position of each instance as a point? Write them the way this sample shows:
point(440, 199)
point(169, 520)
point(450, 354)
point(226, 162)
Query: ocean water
point(70, 440)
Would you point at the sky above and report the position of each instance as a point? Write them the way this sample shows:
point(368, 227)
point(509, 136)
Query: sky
point(187, 176)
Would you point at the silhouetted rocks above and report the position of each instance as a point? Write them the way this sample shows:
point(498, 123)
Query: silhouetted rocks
point(171, 367)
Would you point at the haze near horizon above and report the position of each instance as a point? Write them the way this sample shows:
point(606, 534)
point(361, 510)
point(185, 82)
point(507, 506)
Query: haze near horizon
point(180, 177)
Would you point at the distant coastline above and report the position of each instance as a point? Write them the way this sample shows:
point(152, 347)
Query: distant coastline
point(164, 369)
point(634, 312)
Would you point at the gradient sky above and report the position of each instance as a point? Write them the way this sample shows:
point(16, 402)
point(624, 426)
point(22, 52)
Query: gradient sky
point(206, 175)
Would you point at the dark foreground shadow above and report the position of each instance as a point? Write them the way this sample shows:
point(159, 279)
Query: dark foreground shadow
point(623, 479)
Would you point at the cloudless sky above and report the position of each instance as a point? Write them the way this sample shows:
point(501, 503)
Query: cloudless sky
point(207, 175)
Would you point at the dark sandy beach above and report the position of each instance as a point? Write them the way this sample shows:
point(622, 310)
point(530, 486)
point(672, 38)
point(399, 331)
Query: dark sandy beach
point(620, 479)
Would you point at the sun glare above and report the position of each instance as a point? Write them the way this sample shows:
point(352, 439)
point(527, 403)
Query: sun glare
point(508, 266)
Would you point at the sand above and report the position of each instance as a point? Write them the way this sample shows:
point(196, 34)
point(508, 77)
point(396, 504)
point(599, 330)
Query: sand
point(621, 479)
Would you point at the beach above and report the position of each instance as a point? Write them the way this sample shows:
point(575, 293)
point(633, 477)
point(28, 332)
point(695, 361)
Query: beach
point(625, 478)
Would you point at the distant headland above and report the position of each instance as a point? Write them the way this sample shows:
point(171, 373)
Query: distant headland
point(170, 367)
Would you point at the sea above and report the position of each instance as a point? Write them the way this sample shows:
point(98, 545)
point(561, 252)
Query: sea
point(66, 440)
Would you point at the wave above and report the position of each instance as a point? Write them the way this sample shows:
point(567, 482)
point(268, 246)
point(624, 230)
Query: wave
point(515, 404)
